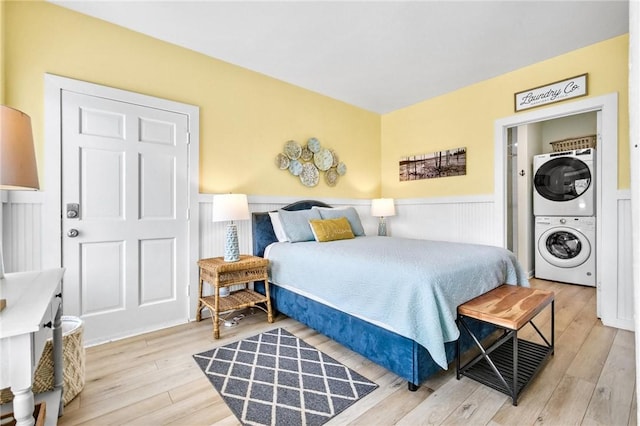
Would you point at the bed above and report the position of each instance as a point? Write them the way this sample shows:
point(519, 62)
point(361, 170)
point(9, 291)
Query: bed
point(413, 340)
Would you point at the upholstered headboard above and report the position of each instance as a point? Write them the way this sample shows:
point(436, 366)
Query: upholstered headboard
point(262, 229)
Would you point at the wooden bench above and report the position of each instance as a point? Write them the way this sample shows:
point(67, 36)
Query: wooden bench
point(509, 363)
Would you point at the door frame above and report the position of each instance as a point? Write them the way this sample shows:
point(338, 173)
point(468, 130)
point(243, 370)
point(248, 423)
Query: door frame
point(52, 206)
point(606, 189)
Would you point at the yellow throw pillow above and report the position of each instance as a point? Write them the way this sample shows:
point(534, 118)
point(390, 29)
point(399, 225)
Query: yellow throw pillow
point(331, 229)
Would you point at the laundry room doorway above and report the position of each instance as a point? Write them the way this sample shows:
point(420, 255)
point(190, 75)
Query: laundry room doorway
point(613, 292)
point(523, 143)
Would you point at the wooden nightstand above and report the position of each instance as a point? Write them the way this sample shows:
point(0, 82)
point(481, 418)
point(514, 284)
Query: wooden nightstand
point(219, 274)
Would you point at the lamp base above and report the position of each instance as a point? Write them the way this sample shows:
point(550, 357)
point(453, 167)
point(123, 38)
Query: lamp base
point(231, 249)
point(382, 227)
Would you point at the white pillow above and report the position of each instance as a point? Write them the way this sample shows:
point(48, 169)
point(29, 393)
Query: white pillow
point(277, 227)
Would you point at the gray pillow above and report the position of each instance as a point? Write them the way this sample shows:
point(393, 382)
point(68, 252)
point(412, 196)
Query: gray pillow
point(296, 224)
point(349, 212)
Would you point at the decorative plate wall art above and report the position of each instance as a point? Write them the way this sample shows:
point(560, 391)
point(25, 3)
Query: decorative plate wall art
point(292, 149)
point(309, 161)
point(323, 159)
point(282, 161)
point(309, 175)
point(295, 167)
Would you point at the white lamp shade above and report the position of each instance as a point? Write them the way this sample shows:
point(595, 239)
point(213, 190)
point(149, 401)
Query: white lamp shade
point(383, 207)
point(18, 169)
point(230, 207)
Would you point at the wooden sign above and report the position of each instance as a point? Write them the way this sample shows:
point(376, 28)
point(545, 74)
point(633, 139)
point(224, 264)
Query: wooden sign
point(573, 87)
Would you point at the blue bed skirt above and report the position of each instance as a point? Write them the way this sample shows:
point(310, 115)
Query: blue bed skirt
point(396, 353)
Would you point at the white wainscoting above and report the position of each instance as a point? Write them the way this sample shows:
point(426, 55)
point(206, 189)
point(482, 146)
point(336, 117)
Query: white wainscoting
point(464, 219)
point(624, 308)
point(460, 219)
point(22, 231)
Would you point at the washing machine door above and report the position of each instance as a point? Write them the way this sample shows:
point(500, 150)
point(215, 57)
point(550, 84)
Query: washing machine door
point(564, 247)
point(562, 179)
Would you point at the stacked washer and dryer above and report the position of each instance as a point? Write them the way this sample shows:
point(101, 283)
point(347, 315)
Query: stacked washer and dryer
point(565, 222)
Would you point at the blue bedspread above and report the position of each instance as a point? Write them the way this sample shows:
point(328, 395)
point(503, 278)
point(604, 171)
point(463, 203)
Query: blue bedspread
point(411, 287)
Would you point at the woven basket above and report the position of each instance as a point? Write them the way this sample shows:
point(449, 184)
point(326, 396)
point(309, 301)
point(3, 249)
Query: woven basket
point(74, 363)
point(574, 143)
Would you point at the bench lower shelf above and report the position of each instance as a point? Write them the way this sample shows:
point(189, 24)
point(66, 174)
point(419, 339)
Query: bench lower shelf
point(531, 356)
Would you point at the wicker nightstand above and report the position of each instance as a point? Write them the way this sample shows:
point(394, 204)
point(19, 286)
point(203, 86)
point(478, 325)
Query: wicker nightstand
point(219, 273)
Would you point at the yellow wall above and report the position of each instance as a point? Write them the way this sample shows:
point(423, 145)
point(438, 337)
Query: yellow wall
point(2, 49)
point(245, 117)
point(466, 118)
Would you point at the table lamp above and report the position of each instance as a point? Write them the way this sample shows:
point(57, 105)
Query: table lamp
point(18, 169)
point(382, 207)
point(230, 207)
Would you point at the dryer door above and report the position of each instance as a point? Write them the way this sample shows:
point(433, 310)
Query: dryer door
point(564, 247)
point(562, 179)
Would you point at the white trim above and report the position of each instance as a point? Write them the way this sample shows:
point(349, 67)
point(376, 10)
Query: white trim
point(607, 188)
point(51, 210)
point(266, 199)
point(634, 153)
point(24, 197)
point(53, 87)
point(457, 199)
point(276, 199)
point(623, 194)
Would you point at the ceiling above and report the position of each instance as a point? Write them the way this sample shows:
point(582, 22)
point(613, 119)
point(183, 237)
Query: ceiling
point(377, 55)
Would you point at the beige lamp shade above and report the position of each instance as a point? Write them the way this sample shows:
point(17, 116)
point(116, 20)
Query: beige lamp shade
point(230, 207)
point(383, 207)
point(18, 169)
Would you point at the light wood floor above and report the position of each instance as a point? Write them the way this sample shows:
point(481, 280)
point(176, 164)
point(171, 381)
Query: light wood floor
point(152, 379)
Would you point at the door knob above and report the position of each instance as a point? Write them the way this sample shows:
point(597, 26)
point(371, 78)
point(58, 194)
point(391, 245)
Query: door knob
point(72, 233)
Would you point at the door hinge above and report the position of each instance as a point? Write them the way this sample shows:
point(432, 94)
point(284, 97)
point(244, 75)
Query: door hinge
point(188, 214)
point(188, 138)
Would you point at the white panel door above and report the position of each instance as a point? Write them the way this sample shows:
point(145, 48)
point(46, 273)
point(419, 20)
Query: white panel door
point(125, 166)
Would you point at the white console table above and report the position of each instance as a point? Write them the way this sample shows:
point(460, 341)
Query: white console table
point(34, 308)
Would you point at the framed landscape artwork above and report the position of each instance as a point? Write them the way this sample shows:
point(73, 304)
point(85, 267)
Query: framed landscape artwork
point(450, 162)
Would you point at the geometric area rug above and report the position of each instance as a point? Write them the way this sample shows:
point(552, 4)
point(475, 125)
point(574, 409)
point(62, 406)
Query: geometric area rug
point(275, 378)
